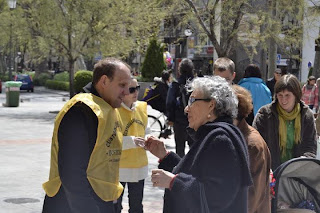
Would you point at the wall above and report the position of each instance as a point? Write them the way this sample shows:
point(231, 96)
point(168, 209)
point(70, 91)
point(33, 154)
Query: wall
point(311, 28)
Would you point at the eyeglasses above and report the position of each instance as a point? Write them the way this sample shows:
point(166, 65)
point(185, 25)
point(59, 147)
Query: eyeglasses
point(192, 100)
point(134, 89)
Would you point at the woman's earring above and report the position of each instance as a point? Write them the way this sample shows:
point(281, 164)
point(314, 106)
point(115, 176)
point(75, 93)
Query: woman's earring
point(209, 116)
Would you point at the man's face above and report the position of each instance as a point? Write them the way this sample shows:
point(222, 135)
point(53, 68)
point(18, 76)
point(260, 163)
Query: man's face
point(226, 75)
point(277, 75)
point(116, 88)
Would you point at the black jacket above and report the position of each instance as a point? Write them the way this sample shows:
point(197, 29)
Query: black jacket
point(270, 84)
point(218, 160)
point(175, 110)
point(77, 137)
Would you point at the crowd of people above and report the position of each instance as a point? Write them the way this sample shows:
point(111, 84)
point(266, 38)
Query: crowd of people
point(237, 135)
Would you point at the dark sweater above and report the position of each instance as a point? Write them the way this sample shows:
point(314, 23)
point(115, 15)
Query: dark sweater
point(218, 160)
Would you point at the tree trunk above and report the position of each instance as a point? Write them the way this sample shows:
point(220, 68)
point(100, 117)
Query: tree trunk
point(71, 76)
point(263, 66)
point(272, 65)
point(272, 53)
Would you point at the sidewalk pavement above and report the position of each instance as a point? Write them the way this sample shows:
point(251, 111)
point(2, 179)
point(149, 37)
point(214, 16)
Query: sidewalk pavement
point(25, 140)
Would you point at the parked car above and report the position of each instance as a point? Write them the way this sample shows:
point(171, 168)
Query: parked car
point(0, 86)
point(27, 83)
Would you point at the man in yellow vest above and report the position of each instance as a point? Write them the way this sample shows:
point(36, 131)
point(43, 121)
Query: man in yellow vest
point(134, 161)
point(86, 145)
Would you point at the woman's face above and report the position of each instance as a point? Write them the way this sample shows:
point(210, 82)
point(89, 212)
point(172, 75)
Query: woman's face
point(287, 100)
point(133, 93)
point(312, 82)
point(199, 110)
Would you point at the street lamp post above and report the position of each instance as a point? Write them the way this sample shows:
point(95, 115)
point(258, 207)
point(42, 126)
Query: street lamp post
point(12, 5)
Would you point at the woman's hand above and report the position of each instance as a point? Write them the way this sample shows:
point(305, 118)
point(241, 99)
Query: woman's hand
point(156, 147)
point(140, 141)
point(161, 178)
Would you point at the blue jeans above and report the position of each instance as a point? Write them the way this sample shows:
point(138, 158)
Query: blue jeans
point(135, 195)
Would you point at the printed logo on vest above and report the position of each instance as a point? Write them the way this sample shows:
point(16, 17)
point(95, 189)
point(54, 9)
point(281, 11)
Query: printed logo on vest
point(114, 134)
point(125, 133)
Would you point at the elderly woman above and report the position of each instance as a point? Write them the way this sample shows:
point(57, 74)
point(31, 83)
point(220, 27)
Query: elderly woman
point(214, 175)
point(287, 124)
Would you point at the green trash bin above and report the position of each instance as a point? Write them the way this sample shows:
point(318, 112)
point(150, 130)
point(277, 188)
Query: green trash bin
point(12, 93)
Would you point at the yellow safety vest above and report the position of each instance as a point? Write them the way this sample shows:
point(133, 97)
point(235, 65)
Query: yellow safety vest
point(103, 167)
point(134, 124)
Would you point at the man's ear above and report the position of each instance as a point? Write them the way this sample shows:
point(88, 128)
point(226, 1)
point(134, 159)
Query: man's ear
point(233, 75)
point(104, 80)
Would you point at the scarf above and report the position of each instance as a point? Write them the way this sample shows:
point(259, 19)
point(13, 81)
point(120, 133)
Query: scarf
point(288, 116)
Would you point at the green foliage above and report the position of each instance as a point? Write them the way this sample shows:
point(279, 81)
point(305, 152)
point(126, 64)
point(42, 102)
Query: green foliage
point(82, 78)
point(63, 76)
point(142, 79)
point(41, 79)
point(4, 78)
point(57, 85)
point(153, 63)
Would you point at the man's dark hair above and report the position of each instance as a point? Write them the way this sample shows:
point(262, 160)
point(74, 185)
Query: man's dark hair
point(291, 83)
point(186, 67)
point(165, 75)
point(252, 70)
point(106, 67)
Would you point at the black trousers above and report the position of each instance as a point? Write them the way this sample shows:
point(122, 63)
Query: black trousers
point(135, 195)
point(181, 137)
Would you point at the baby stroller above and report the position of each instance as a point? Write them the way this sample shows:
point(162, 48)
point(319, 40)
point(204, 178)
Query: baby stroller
point(297, 186)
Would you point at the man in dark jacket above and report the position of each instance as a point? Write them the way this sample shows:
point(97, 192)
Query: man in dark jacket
point(175, 107)
point(86, 145)
point(272, 81)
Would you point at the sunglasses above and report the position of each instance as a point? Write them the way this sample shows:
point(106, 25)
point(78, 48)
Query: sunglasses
point(134, 89)
point(192, 100)
point(278, 73)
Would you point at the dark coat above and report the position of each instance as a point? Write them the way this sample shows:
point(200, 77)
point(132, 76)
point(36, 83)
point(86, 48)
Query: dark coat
point(267, 123)
point(77, 137)
point(175, 110)
point(218, 160)
point(260, 165)
point(270, 84)
point(159, 103)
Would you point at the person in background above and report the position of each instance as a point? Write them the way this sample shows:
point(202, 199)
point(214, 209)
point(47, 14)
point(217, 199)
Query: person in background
point(134, 161)
point(259, 155)
point(159, 103)
point(214, 175)
point(225, 68)
point(272, 81)
point(175, 106)
point(86, 145)
point(260, 93)
point(310, 93)
point(287, 124)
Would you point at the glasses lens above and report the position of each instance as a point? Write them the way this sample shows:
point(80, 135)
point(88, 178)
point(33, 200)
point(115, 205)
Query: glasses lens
point(190, 101)
point(133, 89)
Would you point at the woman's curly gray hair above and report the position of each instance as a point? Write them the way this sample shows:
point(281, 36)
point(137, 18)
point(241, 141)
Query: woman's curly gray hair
point(217, 88)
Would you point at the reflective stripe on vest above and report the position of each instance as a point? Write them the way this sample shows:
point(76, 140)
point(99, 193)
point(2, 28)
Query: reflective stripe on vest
point(103, 167)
